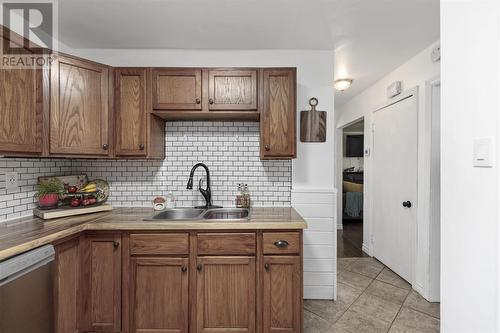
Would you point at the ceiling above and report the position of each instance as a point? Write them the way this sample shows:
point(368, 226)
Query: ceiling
point(370, 37)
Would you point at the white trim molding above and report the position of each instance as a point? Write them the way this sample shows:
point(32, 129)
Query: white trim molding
point(318, 207)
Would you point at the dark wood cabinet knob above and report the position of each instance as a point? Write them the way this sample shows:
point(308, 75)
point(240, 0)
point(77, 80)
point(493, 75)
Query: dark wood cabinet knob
point(267, 267)
point(105, 146)
point(141, 146)
point(184, 269)
point(281, 244)
point(116, 244)
point(211, 101)
point(267, 147)
point(199, 267)
point(198, 101)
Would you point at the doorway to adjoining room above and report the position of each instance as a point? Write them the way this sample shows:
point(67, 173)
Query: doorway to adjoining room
point(350, 236)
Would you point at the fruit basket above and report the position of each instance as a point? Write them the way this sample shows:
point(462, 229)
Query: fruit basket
point(78, 196)
point(93, 193)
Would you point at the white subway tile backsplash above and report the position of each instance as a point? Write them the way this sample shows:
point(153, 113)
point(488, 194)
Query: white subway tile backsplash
point(20, 202)
point(229, 149)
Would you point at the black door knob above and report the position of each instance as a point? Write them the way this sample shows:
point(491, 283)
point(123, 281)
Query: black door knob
point(407, 204)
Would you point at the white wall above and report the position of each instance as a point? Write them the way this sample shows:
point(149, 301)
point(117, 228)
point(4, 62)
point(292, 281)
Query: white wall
point(313, 191)
point(470, 281)
point(414, 73)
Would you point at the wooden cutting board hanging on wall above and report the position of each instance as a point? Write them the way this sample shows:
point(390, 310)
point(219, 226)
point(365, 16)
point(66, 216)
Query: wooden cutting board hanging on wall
point(313, 124)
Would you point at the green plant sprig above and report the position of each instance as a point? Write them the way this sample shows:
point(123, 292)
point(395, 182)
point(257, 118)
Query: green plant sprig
point(51, 186)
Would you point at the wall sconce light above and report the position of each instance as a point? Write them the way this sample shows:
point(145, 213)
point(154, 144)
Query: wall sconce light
point(342, 84)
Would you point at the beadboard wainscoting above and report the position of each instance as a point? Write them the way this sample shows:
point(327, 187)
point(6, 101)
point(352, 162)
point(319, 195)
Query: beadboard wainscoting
point(318, 207)
point(21, 201)
point(229, 149)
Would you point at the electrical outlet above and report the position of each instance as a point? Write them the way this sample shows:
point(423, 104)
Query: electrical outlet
point(11, 180)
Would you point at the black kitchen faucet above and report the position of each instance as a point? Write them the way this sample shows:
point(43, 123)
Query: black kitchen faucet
point(207, 192)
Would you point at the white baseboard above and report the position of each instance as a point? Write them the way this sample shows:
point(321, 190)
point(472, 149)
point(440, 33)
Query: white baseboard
point(366, 249)
point(318, 292)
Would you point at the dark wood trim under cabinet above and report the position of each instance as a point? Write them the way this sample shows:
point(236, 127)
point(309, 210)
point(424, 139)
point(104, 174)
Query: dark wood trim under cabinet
point(208, 116)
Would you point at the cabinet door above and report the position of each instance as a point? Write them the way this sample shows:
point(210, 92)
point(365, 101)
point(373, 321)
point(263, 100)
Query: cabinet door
point(278, 117)
point(21, 108)
point(101, 282)
point(177, 89)
point(131, 111)
point(66, 287)
point(226, 294)
point(79, 108)
point(282, 294)
point(232, 90)
point(159, 295)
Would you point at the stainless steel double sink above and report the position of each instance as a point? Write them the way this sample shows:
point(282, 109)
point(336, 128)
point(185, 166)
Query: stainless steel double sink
point(202, 215)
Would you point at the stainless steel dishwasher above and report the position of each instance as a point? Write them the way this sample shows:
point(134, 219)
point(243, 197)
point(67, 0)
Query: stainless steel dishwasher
point(26, 296)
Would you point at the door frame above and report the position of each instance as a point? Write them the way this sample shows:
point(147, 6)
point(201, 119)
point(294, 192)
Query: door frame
point(432, 245)
point(369, 224)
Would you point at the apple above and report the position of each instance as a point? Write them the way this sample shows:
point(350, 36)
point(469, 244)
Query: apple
point(92, 200)
point(72, 189)
point(75, 202)
point(85, 202)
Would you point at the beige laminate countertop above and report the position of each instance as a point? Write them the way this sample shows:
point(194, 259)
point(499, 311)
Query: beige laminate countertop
point(24, 234)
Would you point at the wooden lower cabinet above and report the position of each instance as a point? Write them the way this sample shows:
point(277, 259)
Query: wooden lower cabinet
point(225, 299)
point(159, 300)
point(101, 258)
point(66, 286)
point(179, 282)
point(282, 308)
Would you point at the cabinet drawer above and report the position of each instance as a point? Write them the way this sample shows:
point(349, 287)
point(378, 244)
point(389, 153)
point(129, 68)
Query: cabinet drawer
point(159, 244)
point(281, 242)
point(226, 244)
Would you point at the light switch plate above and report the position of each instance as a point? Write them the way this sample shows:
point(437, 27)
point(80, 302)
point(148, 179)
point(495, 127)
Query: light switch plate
point(484, 153)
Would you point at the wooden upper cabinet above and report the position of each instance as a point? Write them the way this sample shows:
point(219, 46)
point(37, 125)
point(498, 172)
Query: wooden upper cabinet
point(101, 257)
point(131, 111)
point(159, 296)
point(278, 116)
point(66, 286)
point(80, 113)
point(282, 308)
point(232, 90)
point(21, 110)
point(177, 89)
point(225, 294)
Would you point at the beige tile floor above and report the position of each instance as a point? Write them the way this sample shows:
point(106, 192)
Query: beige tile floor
point(371, 298)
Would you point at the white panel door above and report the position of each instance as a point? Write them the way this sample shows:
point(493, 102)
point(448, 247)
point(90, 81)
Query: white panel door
point(395, 184)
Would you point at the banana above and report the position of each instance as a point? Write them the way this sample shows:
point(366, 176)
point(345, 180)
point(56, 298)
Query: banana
point(90, 187)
